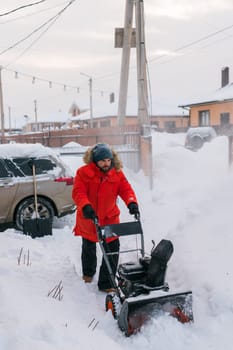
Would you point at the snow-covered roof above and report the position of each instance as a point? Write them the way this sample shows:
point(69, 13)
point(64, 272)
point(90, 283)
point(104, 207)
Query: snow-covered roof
point(223, 94)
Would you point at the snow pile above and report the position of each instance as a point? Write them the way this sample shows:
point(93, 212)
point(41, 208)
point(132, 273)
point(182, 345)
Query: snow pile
point(73, 145)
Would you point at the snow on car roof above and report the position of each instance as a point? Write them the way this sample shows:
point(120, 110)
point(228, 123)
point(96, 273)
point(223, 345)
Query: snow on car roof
point(202, 130)
point(25, 150)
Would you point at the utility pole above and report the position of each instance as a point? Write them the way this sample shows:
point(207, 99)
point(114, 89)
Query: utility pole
point(91, 104)
point(142, 89)
point(127, 43)
point(35, 111)
point(141, 64)
point(1, 108)
point(127, 34)
point(90, 95)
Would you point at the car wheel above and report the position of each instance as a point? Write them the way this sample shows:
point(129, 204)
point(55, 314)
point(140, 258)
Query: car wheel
point(26, 210)
point(196, 142)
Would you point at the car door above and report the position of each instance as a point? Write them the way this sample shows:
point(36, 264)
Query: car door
point(8, 188)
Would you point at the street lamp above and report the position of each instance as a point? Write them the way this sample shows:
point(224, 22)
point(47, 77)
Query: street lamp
point(9, 114)
point(90, 93)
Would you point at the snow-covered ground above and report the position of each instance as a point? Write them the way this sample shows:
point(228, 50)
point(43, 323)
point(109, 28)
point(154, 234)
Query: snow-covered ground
point(191, 204)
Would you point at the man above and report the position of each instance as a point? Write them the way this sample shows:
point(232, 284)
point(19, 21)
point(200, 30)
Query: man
point(97, 186)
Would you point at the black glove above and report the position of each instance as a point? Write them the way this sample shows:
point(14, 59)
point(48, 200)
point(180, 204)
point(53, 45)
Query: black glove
point(88, 212)
point(133, 208)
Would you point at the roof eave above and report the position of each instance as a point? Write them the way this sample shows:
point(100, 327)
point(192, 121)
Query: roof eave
point(206, 103)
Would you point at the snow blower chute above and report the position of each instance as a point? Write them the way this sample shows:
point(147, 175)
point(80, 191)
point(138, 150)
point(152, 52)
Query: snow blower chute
point(141, 292)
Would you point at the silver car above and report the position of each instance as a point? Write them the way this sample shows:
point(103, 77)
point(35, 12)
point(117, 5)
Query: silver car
point(53, 184)
point(197, 136)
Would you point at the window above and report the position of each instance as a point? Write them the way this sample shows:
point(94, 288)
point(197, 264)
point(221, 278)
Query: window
point(42, 165)
point(13, 168)
point(3, 171)
point(24, 164)
point(105, 123)
point(170, 126)
point(224, 119)
point(204, 118)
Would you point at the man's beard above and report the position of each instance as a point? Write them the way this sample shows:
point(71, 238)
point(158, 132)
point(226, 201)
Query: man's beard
point(105, 169)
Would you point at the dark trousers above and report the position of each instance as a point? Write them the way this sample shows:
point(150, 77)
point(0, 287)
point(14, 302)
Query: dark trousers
point(89, 261)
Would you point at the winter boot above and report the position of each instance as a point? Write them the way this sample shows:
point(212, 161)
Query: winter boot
point(87, 279)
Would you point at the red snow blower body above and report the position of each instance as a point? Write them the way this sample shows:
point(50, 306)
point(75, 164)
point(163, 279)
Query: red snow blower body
point(141, 292)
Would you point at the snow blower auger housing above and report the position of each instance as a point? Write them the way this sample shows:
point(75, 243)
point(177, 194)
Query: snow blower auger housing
point(141, 290)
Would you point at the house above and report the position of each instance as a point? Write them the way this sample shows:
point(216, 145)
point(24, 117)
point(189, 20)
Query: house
point(215, 110)
point(42, 126)
point(169, 123)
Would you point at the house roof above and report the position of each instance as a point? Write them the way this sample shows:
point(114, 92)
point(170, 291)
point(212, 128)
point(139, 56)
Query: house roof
point(220, 95)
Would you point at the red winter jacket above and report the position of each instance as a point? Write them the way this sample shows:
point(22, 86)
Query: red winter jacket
point(100, 190)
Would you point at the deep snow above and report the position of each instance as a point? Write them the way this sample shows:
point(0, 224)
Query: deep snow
point(191, 204)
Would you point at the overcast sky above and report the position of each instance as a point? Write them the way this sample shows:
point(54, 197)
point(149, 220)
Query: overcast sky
point(187, 44)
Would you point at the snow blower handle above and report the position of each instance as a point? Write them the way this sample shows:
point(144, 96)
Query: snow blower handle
point(103, 232)
point(98, 229)
point(96, 221)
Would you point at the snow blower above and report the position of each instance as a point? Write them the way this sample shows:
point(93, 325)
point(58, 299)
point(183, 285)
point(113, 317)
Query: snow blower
point(141, 292)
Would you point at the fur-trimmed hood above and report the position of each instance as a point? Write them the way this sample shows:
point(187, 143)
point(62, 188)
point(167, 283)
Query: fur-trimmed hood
point(117, 163)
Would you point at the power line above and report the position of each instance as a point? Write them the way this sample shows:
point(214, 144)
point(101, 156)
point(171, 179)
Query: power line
point(51, 83)
point(37, 39)
point(32, 14)
point(194, 42)
point(21, 7)
point(54, 18)
point(173, 51)
point(34, 78)
point(148, 60)
point(29, 47)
